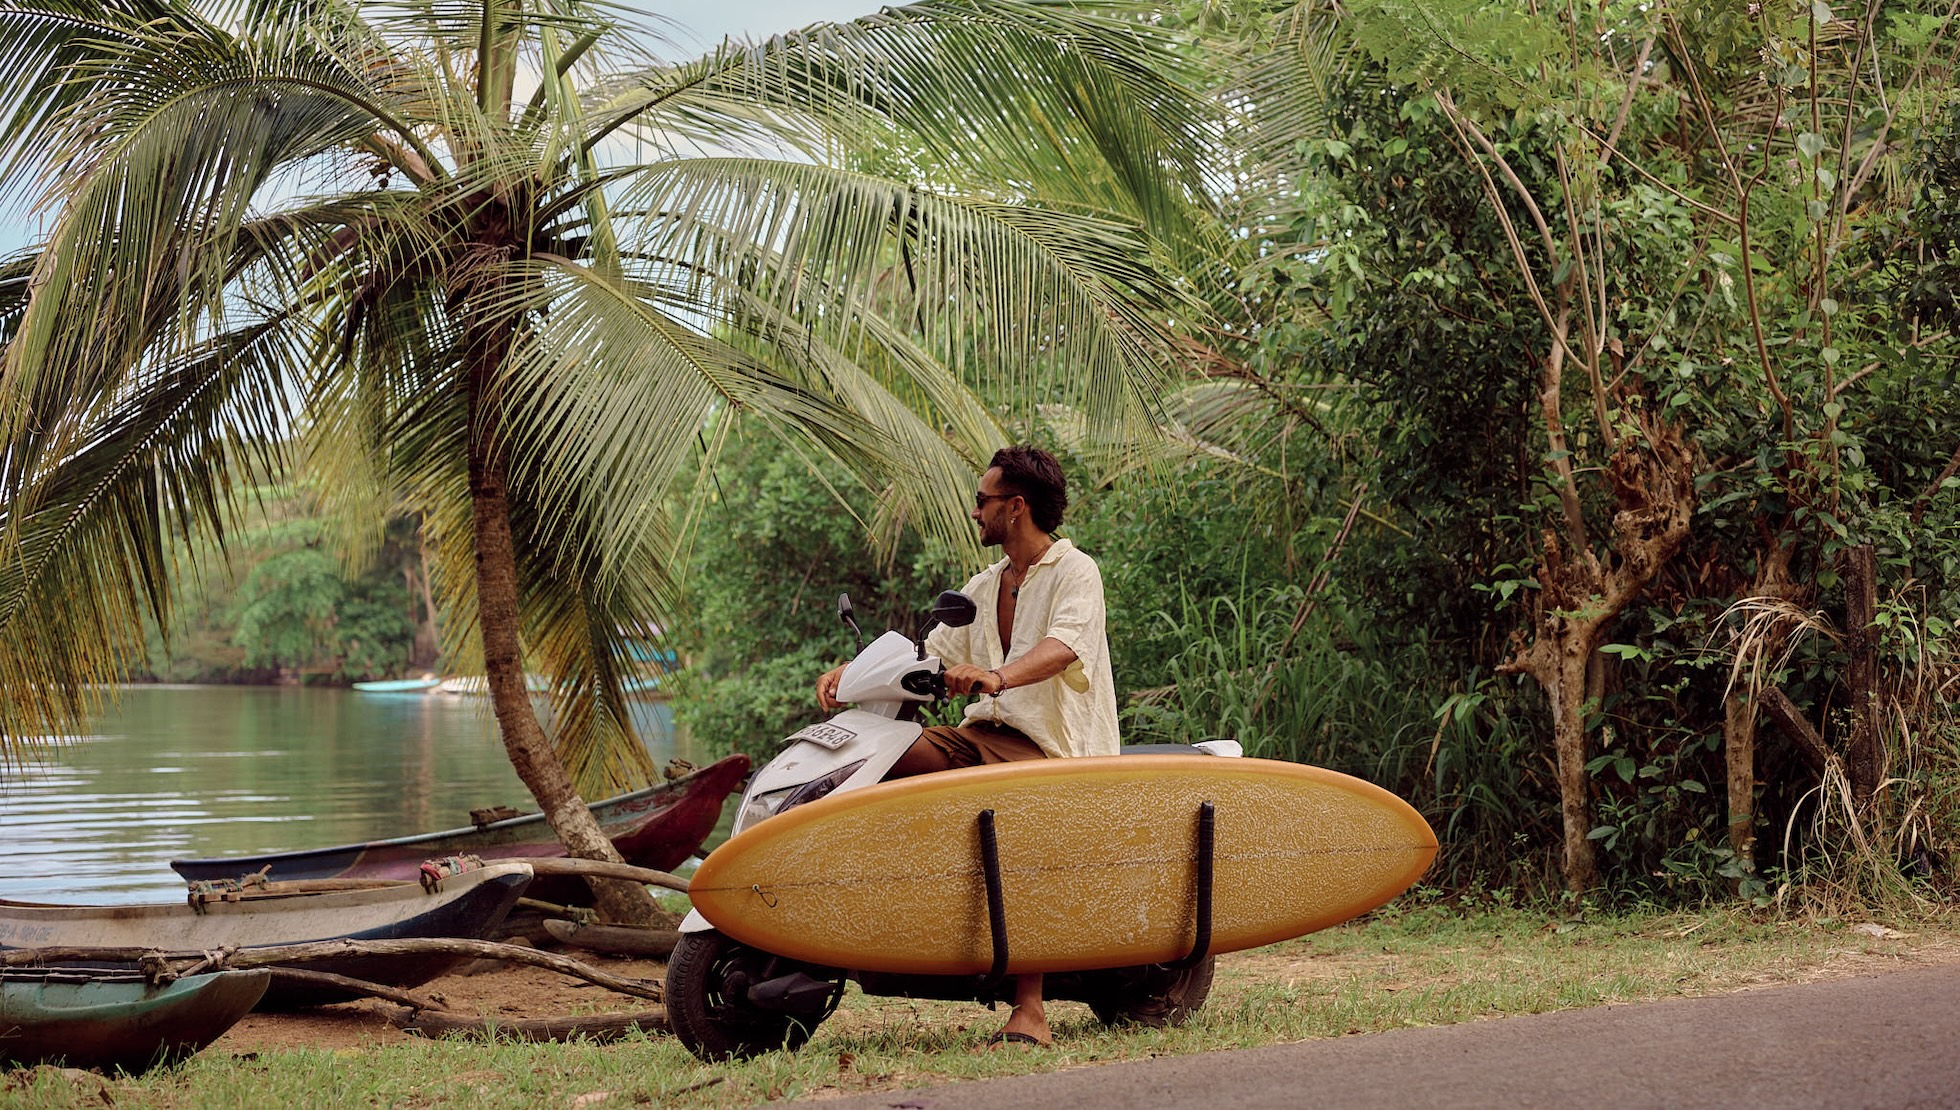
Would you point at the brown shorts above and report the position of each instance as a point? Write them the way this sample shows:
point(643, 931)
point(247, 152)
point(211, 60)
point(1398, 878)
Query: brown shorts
point(979, 743)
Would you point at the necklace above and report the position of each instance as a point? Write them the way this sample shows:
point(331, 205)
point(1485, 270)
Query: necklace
point(1021, 575)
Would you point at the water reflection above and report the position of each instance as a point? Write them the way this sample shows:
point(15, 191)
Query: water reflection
point(213, 771)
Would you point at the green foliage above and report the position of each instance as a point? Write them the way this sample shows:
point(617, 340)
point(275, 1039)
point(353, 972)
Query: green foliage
point(302, 614)
point(279, 604)
point(294, 598)
point(775, 549)
point(1430, 330)
point(1163, 540)
point(1754, 264)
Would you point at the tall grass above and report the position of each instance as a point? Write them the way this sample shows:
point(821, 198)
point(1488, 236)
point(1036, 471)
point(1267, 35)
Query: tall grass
point(1468, 748)
point(1402, 714)
point(1899, 846)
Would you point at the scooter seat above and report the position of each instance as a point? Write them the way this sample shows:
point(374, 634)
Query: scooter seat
point(1217, 747)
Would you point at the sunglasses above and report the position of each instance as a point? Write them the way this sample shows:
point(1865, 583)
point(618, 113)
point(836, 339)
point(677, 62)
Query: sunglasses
point(981, 497)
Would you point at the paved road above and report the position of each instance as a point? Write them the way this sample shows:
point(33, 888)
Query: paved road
point(1887, 1042)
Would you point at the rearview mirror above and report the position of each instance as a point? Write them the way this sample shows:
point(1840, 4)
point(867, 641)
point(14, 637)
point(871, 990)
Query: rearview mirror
point(844, 614)
point(954, 609)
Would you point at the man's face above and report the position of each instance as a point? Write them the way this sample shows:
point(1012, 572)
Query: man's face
point(992, 507)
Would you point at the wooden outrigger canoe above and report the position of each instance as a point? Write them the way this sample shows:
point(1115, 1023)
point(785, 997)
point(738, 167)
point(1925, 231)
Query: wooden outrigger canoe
point(655, 828)
point(97, 1018)
point(470, 905)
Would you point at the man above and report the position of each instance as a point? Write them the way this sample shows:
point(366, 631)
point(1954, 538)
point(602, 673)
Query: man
point(1039, 652)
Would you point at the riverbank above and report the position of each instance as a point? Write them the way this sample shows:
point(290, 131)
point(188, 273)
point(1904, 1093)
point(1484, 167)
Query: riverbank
point(1421, 966)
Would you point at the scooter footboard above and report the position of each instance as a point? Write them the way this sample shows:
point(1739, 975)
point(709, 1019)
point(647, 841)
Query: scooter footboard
point(1072, 986)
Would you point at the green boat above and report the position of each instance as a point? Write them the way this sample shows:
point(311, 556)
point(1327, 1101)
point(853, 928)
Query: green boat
point(95, 1018)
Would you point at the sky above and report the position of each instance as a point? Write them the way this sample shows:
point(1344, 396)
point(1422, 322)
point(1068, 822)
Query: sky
point(701, 25)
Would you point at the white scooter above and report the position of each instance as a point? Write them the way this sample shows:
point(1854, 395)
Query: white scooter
point(726, 999)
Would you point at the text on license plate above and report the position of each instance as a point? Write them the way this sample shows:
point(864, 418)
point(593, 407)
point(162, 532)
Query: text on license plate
point(830, 736)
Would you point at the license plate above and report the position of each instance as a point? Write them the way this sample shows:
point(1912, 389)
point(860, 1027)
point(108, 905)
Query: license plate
point(829, 736)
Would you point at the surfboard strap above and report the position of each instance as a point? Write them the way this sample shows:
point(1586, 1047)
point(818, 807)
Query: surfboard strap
point(1201, 943)
point(997, 906)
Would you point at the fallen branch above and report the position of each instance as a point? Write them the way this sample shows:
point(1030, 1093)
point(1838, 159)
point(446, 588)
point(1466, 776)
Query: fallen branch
point(601, 869)
point(427, 1018)
point(354, 987)
point(541, 865)
point(1790, 719)
point(615, 940)
point(280, 887)
point(274, 955)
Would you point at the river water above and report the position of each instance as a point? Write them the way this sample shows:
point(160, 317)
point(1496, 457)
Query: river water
point(173, 772)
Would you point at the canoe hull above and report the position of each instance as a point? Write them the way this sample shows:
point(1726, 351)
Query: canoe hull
point(469, 906)
point(398, 686)
point(86, 1018)
point(658, 827)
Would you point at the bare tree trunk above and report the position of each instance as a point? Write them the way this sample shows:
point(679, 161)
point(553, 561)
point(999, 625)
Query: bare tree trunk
point(1739, 749)
point(1568, 695)
point(1865, 765)
point(1740, 711)
point(433, 621)
point(1652, 478)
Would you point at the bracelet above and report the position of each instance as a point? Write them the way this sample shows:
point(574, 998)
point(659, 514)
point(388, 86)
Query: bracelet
point(1000, 679)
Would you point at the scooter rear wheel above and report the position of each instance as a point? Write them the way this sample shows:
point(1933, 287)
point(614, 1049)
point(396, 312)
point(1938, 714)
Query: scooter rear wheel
point(1152, 1001)
point(708, 978)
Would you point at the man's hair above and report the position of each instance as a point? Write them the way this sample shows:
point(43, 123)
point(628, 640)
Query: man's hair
point(1037, 477)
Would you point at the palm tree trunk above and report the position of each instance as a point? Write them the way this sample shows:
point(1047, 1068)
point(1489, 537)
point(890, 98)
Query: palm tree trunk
point(530, 751)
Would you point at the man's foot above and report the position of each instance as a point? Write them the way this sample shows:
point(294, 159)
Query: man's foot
point(1016, 1039)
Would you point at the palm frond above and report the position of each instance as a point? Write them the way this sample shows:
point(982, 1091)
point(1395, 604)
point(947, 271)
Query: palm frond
point(1054, 304)
point(1083, 104)
point(84, 559)
point(1288, 84)
point(166, 155)
point(41, 45)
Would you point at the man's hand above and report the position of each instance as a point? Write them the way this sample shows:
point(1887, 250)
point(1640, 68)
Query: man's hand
point(965, 678)
point(827, 688)
point(1044, 661)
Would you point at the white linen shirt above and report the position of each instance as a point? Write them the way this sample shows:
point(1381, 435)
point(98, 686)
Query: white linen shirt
point(1073, 713)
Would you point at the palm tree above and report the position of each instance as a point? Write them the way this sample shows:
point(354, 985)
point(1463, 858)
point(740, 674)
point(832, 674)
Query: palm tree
point(501, 260)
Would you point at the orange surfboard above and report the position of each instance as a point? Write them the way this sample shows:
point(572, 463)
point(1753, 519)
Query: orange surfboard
point(1097, 863)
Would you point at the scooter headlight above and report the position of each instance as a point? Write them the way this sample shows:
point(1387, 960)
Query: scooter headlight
point(817, 788)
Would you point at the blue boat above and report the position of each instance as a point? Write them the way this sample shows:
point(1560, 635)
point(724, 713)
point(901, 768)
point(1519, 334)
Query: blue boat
point(399, 685)
point(640, 651)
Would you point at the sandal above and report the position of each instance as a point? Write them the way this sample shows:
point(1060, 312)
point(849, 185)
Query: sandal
point(1015, 1038)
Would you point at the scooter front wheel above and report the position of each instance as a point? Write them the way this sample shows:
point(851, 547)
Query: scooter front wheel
point(708, 1003)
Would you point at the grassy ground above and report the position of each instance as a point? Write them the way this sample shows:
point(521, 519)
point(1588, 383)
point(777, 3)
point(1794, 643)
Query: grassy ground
point(1428, 965)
